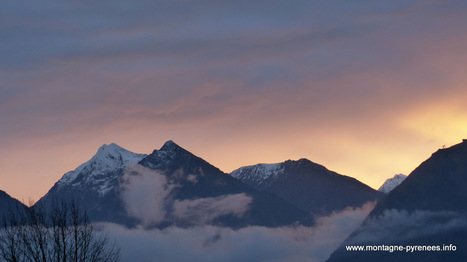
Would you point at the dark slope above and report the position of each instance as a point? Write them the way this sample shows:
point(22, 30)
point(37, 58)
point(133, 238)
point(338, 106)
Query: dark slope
point(8, 204)
point(428, 208)
point(439, 183)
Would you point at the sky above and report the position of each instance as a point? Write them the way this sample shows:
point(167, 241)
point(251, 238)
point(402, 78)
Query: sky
point(366, 88)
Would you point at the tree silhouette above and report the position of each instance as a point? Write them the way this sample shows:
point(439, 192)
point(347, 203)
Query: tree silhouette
point(59, 233)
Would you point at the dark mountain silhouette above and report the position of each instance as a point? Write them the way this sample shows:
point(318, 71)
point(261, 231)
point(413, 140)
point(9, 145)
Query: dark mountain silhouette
point(308, 185)
point(429, 208)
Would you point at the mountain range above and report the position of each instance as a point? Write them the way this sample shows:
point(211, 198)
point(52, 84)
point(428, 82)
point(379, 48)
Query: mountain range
point(170, 186)
point(173, 187)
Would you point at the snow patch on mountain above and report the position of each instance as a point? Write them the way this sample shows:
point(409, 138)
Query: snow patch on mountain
point(259, 174)
point(99, 172)
point(392, 183)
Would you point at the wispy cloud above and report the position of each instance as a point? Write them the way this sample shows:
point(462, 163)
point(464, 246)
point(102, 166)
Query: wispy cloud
point(145, 193)
point(205, 210)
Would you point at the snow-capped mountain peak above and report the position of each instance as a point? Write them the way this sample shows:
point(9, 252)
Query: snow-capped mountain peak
point(109, 158)
point(392, 183)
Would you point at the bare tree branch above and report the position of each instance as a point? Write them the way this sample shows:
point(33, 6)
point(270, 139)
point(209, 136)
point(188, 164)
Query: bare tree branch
point(59, 233)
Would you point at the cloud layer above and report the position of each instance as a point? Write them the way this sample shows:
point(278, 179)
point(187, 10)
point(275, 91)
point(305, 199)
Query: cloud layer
point(401, 226)
point(210, 243)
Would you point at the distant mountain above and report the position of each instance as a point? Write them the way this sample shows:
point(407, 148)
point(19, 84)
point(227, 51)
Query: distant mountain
point(308, 185)
point(429, 208)
point(7, 204)
point(171, 186)
point(391, 183)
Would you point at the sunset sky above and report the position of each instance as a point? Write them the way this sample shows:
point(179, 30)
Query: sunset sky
point(366, 88)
